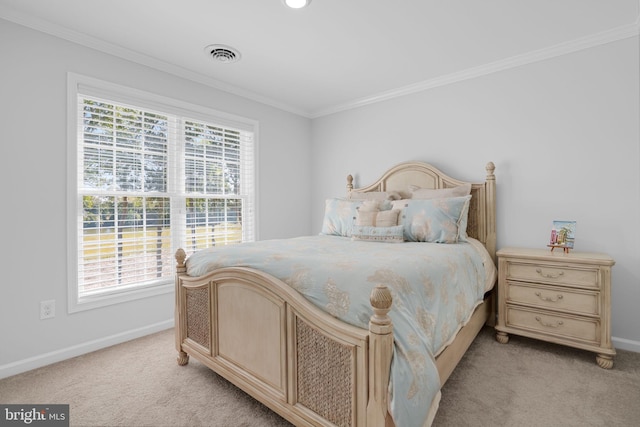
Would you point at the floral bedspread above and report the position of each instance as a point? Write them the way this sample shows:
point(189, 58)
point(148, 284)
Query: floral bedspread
point(435, 288)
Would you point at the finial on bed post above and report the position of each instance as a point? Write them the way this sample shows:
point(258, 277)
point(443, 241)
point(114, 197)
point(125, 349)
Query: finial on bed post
point(349, 183)
point(490, 169)
point(381, 301)
point(380, 353)
point(181, 256)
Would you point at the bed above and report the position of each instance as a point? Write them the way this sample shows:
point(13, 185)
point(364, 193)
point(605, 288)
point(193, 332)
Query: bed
point(302, 350)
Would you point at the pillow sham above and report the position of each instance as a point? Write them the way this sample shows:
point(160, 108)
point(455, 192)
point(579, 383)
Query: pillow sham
point(393, 234)
point(439, 193)
point(339, 216)
point(434, 220)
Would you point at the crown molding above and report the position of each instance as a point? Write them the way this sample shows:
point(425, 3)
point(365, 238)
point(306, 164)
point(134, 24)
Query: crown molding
point(139, 58)
point(565, 48)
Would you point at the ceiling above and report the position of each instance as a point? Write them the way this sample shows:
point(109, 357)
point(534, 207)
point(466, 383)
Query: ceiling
point(334, 54)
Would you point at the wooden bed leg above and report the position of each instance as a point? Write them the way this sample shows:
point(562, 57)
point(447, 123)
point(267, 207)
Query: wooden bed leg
point(183, 358)
point(380, 353)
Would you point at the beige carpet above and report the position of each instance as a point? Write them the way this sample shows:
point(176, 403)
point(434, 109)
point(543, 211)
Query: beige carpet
point(523, 383)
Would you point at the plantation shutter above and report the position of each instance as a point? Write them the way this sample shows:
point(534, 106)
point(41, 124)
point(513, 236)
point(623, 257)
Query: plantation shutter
point(151, 181)
point(217, 196)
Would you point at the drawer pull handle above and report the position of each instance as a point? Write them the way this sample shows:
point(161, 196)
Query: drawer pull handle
point(549, 325)
point(549, 276)
point(549, 299)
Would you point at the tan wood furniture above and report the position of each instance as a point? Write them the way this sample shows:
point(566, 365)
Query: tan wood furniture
point(264, 337)
point(564, 298)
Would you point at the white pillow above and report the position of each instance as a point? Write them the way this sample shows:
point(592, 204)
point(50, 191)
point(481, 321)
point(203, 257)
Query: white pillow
point(440, 193)
point(374, 195)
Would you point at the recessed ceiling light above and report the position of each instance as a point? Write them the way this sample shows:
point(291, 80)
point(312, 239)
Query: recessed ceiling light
point(222, 53)
point(296, 4)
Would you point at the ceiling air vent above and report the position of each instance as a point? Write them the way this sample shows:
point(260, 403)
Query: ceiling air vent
point(222, 53)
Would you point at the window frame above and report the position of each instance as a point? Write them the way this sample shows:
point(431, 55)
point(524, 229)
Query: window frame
point(80, 85)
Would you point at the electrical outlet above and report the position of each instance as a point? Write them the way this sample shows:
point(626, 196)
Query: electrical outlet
point(47, 309)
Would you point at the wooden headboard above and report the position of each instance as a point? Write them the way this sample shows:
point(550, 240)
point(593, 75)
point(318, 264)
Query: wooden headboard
point(482, 209)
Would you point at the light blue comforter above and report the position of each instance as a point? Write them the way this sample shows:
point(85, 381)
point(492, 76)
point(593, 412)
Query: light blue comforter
point(435, 288)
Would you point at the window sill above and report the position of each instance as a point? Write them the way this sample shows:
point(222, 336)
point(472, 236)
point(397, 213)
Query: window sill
point(89, 302)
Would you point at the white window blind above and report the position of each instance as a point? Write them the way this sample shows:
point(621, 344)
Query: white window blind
point(149, 181)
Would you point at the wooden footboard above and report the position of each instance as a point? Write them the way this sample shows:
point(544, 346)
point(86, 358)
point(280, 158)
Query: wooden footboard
point(264, 337)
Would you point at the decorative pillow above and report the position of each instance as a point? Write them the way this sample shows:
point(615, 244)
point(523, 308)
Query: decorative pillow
point(440, 193)
point(370, 205)
point(374, 195)
point(386, 218)
point(364, 218)
point(393, 234)
point(435, 220)
point(340, 216)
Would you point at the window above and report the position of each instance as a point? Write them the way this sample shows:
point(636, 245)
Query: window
point(150, 175)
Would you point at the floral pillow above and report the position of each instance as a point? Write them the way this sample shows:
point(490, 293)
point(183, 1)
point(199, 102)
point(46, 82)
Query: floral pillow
point(434, 220)
point(340, 216)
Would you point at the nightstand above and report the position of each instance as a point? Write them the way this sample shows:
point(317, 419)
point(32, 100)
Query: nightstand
point(564, 298)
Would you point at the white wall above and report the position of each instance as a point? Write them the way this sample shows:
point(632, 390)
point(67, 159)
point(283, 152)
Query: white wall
point(33, 75)
point(563, 133)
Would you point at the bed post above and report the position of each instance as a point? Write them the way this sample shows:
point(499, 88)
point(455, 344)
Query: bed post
point(380, 353)
point(181, 270)
point(490, 237)
point(490, 184)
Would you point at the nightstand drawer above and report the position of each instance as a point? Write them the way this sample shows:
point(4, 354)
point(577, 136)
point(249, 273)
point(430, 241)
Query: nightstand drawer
point(553, 325)
point(541, 273)
point(555, 298)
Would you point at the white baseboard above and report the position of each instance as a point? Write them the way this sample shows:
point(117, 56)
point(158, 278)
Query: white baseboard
point(30, 363)
point(624, 344)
